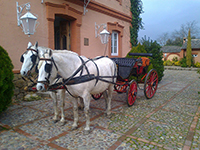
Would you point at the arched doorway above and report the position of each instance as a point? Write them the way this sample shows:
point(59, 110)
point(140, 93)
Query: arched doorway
point(62, 33)
point(66, 13)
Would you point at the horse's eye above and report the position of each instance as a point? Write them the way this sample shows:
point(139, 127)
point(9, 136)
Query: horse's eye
point(48, 68)
point(22, 59)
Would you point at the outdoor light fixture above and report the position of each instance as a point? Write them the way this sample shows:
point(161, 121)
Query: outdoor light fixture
point(27, 21)
point(104, 35)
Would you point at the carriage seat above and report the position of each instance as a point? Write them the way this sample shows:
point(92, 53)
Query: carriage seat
point(143, 61)
point(124, 67)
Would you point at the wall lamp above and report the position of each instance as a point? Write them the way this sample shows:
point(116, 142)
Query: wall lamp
point(26, 21)
point(104, 34)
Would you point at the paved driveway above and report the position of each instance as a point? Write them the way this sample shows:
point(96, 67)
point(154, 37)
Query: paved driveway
point(170, 120)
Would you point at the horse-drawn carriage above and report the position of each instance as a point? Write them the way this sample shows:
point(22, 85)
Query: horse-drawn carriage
point(127, 68)
point(82, 77)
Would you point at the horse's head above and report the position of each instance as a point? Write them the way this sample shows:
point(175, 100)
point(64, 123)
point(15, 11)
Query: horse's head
point(29, 59)
point(47, 71)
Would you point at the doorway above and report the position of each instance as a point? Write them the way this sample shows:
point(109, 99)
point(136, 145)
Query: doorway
point(62, 32)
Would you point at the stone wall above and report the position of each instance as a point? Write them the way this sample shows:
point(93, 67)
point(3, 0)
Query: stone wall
point(19, 91)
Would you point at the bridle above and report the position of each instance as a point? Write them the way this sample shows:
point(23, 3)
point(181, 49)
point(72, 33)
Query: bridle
point(33, 59)
point(48, 69)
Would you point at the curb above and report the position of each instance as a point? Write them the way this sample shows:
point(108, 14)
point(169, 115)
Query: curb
point(180, 68)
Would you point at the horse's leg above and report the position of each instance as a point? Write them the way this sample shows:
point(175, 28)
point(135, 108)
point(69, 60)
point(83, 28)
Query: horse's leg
point(55, 106)
point(108, 97)
point(80, 103)
point(86, 99)
point(62, 98)
point(75, 110)
point(105, 95)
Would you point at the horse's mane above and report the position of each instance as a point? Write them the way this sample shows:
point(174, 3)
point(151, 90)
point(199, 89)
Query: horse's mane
point(43, 48)
point(64, 51)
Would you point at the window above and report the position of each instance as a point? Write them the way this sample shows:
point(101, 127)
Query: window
point(194, 55)
point(114, 43)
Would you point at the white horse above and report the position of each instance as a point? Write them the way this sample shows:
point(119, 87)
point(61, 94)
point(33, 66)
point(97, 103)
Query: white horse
point(30, 59)
point(70, 65)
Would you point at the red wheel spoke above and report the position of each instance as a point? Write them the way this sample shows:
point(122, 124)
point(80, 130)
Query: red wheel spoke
point(151, 83)
point(132, 92)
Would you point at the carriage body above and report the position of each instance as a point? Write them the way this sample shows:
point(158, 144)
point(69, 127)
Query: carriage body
point(132, 67)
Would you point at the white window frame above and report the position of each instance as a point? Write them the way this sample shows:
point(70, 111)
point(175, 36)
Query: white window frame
point(194, 55)
point(113, 51)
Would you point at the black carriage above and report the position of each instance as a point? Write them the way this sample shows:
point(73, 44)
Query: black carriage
point(132, 67)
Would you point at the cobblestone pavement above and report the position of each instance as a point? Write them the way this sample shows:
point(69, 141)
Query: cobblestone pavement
point(170, 120)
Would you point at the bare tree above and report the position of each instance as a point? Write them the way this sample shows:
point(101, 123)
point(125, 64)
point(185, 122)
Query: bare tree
point(162, 39)
point(183, 31)
point(176, 37)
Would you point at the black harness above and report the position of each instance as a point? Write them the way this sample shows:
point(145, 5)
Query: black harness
point(72, 79)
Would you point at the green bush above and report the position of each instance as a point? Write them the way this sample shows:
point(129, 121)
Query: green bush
point(175, 59)
point(138, 49)
point(197, 64)
point(167, 63)
point(6, 77)
point(183, 62)
point(177, 63)
point(156, 60)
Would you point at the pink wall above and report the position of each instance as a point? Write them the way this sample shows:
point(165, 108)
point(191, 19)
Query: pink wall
point(15, 41)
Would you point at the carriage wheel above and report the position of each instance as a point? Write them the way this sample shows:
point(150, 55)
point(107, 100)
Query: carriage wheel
point(120, 88)
point(132, 93)
point(151, 83)
point(97, 96)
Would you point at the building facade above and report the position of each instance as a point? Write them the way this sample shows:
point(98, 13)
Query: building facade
point(68, 24)
point(170, 52)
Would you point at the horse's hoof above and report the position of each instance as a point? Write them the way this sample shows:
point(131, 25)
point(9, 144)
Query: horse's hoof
point(81, 108)
point(109, 116)
point(74, 128)
point(86, 132)
point(62, 123)
point(55, 121)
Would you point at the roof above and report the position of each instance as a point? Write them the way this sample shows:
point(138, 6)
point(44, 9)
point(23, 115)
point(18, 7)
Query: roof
point(170, 49)
point(194, 42)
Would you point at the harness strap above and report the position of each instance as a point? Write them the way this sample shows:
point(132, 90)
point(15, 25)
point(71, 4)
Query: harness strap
point(84, 65)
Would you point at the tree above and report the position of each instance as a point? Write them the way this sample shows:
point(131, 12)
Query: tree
point(183, 31)
point(176, 37)
point(163, 38)
point(156, 60)
point(189, 51)
point(136, 23)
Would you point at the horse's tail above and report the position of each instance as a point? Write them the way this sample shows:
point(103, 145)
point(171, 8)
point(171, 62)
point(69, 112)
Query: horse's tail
point(115, 71)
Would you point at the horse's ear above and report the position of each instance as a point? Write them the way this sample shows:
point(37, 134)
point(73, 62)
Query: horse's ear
point(29, 44)
point(50, 53)
point(36, 45)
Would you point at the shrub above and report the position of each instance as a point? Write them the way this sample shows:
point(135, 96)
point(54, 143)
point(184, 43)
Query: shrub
point(197, 64)
point(6, 77)
point(156, 60)
point(168, 63)
point(177, 63)
point(183, 62)
point(175, 59)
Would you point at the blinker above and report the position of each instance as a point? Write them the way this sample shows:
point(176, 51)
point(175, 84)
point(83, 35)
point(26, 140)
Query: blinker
point(33, 58)
point(22, 59)
point(48, 68)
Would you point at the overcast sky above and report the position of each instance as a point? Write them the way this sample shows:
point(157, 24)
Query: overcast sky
point(162, 16)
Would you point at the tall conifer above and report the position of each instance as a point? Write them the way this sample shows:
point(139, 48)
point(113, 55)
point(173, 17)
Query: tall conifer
point(136, 23)
point(189, 51)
